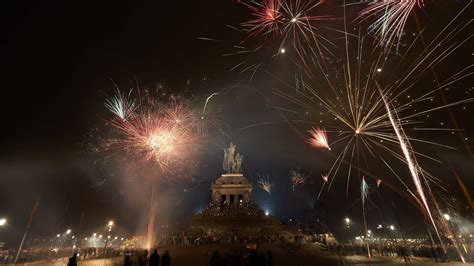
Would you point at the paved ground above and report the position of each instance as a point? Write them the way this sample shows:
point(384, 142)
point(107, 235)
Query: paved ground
point(309, 254)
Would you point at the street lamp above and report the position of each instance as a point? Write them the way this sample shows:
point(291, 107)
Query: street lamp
point(68, 231)
point(111, 223)
point(392, 227)
point(3, 221)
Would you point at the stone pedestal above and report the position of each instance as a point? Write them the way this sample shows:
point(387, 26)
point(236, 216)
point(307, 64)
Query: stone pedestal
point(231, 189)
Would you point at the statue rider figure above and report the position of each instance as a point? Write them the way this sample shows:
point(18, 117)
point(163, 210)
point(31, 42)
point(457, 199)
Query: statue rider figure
point(232, 162)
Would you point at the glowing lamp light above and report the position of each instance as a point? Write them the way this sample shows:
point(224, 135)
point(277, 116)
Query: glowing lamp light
point(392, 227)
point(379, 70)
point(347, 220)
point(3, 221)
point(293, 20)
point(267, 213)
point(58, 235)
point(282, 50)
point(68, 231)
point(111, 223)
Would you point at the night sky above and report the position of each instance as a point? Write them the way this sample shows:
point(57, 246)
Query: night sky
point(59, 63)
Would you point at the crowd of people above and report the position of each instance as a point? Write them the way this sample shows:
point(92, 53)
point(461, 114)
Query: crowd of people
point(44, 253)
point(435, 252)
point(252, 258)
point(141, 258)
point(222, 239)
point(231, 209)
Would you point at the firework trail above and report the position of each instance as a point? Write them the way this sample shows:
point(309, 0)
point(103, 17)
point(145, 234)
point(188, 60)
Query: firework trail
point(325, 178)
point(364, 193)
point(207, 101)
point(464, 189)
point(415, 169)
point(27, 230)
point(265, 184)
point(319, 138)
point(419, 179)
point(150, 236)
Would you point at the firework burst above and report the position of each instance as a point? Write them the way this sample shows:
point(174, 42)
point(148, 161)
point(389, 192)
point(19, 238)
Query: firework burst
point(297, 178)
point(378, 182)
point(121, 104)
point(319, 138)
point(265, 184)
point(282, 27)
point(390, 18)
point(156, 134)
point(159, 130)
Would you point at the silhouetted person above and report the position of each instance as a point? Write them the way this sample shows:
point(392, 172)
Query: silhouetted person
point(154, 258)
point(269, 258)
point(165, 259)
point(127, 261)
point(404, 254)
point(215, 260)
point(143, 260)
point(72, 260)
point(261, 261)
point(252, 259)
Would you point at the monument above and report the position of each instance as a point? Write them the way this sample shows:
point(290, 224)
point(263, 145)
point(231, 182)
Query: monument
point(232, 188)
point(232, 212)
